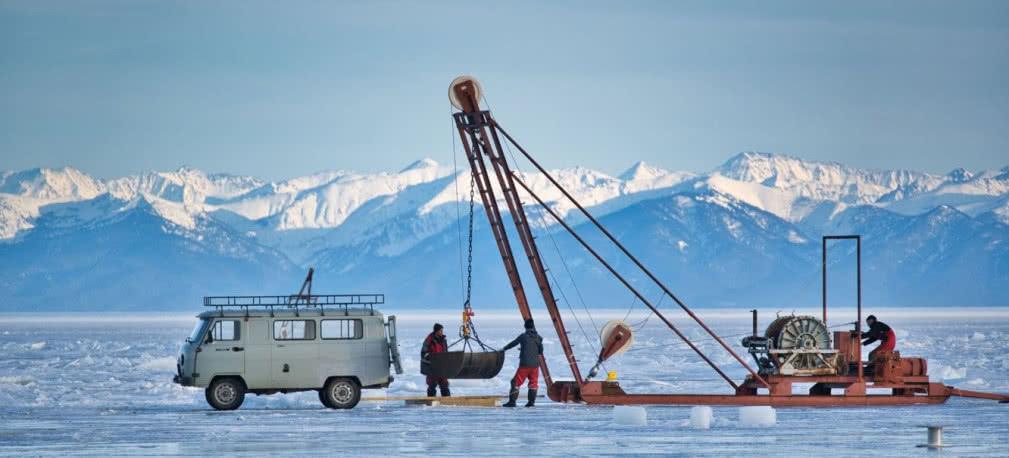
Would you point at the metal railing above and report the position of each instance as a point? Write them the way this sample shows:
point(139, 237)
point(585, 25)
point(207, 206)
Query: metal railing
point(295, 301)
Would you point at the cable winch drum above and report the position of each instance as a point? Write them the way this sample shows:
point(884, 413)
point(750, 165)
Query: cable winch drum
point(465, 364)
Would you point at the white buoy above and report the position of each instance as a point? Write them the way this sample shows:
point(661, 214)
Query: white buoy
point(934, 437)
point(630, 416)
point(700, 417)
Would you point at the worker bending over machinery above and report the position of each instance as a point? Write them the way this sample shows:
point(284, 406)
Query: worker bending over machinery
point(878, 330)
point(530, 348)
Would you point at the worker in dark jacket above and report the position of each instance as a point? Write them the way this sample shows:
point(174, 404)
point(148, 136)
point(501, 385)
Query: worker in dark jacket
point(530, 348)
point(878, 330)
point(434, 343)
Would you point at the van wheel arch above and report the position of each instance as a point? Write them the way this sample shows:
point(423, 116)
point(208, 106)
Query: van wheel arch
point(351, 377)
point(236, 377)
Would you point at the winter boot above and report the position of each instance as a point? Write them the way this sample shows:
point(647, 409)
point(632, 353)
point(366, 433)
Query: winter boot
point(431, 390)
point(513, 395)
point(532, 398)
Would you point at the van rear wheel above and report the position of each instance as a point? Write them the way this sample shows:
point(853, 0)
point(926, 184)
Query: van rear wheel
point(341, 393)
point(322, 398)
point(226, 393)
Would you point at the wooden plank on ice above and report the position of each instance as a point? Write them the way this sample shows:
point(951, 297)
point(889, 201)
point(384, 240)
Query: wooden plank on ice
point(470, 401)
point(453, 401)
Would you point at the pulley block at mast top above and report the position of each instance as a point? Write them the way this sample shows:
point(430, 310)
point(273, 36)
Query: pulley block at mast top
point(454, 98)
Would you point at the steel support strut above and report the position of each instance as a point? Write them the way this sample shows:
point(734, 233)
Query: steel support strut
point(634, 259)
point(858, 281)
point(626, 283)
point(504, 175)
point(472, 125)
point(469, 134)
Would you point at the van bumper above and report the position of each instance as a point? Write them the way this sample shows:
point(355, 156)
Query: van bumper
point(184, 381)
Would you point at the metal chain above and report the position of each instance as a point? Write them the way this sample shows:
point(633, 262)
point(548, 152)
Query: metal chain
point(469, 266)
point(467, 308)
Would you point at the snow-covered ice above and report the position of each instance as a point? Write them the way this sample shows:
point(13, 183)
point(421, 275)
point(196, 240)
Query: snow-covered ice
point(102, 386)
point(166, 363)
point(630, 416)
point(757, 416)
point(700, 417)
point(941, 372)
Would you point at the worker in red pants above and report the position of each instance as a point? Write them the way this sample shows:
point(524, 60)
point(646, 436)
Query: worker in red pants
point(878, 330)
point(530, 348)
point(434, 343)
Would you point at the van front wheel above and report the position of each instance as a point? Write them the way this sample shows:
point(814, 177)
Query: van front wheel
point(342, 393)
point(226, 393)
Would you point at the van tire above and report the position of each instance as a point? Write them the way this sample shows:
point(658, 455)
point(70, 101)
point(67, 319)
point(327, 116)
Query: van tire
point(322, 398)
point(341, 393)
point(225, 393)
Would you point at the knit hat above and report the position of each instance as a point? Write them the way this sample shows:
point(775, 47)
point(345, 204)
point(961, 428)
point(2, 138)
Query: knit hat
point(438, 326)
point(529, 324)
point(871, 317)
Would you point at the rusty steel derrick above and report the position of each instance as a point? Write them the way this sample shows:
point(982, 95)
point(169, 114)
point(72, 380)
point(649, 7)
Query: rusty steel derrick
point(472, 125)
point(479, 134)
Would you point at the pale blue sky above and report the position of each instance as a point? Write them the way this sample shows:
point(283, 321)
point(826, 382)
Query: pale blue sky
point(281, 89)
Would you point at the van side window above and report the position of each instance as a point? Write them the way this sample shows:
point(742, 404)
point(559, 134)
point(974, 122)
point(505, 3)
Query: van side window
point(294, 330)
point(226, 330)
point(342, 329)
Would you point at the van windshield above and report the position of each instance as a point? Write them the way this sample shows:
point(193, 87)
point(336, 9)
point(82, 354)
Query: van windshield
point(198, 330)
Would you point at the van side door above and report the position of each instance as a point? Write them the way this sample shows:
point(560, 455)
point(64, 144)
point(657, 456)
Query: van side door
point(258, 348)
point(295, 353)
point(222, 351)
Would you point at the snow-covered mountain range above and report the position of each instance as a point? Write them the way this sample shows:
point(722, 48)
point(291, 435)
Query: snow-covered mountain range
point(746, 233)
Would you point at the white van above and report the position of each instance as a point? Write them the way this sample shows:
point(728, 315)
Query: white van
point(336, 345)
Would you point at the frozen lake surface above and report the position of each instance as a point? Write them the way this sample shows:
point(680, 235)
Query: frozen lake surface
point(101, 386)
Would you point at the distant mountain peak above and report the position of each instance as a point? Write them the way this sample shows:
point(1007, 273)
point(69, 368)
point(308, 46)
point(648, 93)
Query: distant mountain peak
point(960, 175)
point(747, 155)
point(642, 170)
point(944, 212)
point(188, 170)
point(421, 164)
point(60, 184)
point(759, 167)
point(754, 156)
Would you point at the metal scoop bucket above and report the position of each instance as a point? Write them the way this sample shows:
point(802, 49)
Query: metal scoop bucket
point(464, 364)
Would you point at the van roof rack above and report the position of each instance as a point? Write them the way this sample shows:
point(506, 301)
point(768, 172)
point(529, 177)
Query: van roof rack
point(294, 301)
